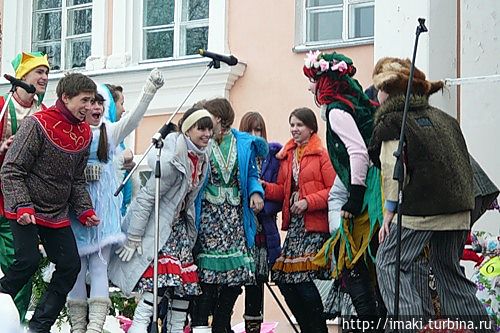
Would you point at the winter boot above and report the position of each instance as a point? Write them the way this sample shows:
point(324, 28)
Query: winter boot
point(175, 320)
point(252, 324)
point(201, 329)
point(77, 312)
point(224, 309)
point(98, 310)
point(142, 314)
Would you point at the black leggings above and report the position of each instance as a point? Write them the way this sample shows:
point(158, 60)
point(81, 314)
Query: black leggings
point(304, 301)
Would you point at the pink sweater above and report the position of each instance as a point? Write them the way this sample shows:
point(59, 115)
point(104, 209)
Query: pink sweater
point(345, 127)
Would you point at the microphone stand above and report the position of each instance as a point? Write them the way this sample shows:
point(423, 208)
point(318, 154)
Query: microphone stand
point(7, 100)
point(157, 142)
point(399, 172)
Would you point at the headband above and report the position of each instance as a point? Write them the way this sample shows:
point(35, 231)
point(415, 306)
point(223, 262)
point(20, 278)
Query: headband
point(193, 118)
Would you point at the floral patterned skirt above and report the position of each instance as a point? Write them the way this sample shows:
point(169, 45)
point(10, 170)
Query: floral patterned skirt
point(176, 269)
point(294, 265)
point(224, 257)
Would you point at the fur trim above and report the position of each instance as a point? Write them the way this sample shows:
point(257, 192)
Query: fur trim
point(392, 74)
point(262, 148)
point(313, 147)
point(117, 239)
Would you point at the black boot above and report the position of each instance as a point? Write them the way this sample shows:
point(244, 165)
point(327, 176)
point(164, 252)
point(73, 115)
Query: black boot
point(224, 309)
point(203, 305)
point(294, 303)
point(360, 288)
point(46, 312)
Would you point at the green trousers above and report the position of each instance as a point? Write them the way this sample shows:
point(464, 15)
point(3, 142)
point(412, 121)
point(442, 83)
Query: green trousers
point(22, 299)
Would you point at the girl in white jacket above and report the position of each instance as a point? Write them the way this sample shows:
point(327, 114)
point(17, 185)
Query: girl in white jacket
point(184, 162)
point(94, 244)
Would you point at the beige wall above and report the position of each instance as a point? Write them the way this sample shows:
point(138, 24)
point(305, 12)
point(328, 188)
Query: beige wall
point(261, 34)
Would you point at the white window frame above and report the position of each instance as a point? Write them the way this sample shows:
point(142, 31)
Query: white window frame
point(347, 6)
point(177, 26)
point(64, 29)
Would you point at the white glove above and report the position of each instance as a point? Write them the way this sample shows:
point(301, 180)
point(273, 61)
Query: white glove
point(154, 82)
point(132, 244)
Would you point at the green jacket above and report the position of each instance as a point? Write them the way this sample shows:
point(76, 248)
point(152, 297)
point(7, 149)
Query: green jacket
point(436, 157)
point(363, 117)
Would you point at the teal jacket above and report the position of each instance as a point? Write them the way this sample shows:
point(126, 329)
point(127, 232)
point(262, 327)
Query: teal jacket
point(248, 147)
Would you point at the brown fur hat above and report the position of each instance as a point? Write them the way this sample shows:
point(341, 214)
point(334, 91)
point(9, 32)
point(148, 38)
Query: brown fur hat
point(391, 75)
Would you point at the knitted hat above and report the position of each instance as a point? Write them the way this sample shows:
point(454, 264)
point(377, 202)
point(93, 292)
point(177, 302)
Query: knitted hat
point(24, 62)
point(391, 76)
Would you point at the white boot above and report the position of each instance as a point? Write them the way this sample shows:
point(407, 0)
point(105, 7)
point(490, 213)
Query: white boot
point(98, 310)
point(175, 319)
point(201, 329)
point(77, 313)
point(9, 314)
point(142, 314)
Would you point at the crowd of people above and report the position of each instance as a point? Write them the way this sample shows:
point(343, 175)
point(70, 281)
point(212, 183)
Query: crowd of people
point(221, 190)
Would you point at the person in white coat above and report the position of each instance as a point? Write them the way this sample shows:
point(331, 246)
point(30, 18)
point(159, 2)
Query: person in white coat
point(94, 244)
point(184, 162)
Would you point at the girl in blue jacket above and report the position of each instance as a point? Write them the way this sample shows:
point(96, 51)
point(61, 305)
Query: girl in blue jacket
point(225, 218)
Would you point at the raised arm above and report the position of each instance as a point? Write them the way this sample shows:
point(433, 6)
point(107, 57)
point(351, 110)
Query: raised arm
point(130, 120)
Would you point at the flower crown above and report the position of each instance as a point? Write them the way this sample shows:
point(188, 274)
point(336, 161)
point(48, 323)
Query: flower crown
point(337, 65)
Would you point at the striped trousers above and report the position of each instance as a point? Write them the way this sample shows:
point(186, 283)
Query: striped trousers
point(456, 292)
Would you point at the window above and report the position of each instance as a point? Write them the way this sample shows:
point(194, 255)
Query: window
point(62, 29)
point(174, 28)
point(337, 21)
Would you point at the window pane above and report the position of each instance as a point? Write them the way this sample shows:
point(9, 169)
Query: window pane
point(363, 22)
point(77, 2)
point(47, 4)
point(79, 21)
point(195, 39)
point(324, 26)
point(159, 44)
point(53, 52)
point(77, 51)
point(47, 26)
point(194, 10)
point(158, 12)
point(314, 3)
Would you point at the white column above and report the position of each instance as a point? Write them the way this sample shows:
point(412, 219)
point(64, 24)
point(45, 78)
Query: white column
point(122, 30)
point(16, 31)
point(97, 58)
point(395, 27)
point(480, 114)
point(217, 22)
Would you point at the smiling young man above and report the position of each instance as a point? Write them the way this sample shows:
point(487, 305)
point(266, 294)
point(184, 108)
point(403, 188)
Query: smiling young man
point(42, 175)
point(32, 68)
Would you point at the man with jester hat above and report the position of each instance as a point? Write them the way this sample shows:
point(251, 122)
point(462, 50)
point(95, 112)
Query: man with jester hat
point(32, 68)
point(355, 201)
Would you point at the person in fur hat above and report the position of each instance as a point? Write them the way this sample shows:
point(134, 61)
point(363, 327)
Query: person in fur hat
point(32, 68)
point(355, 205)
point(94, 245)
point(438, 195)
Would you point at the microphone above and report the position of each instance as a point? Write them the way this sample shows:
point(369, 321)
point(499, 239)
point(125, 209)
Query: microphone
point(230, 60)
point(30, 89)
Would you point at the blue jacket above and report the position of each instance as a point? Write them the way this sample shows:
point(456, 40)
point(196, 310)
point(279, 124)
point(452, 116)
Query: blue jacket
point(248, 148)
point(267, 217)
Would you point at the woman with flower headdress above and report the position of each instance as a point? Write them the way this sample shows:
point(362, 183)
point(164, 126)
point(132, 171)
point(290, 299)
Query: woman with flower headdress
point(94, 244)
point(32, 68)
point(355, 202)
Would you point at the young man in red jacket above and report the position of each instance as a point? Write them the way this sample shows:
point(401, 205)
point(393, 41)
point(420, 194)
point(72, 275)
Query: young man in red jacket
point(42, 175)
